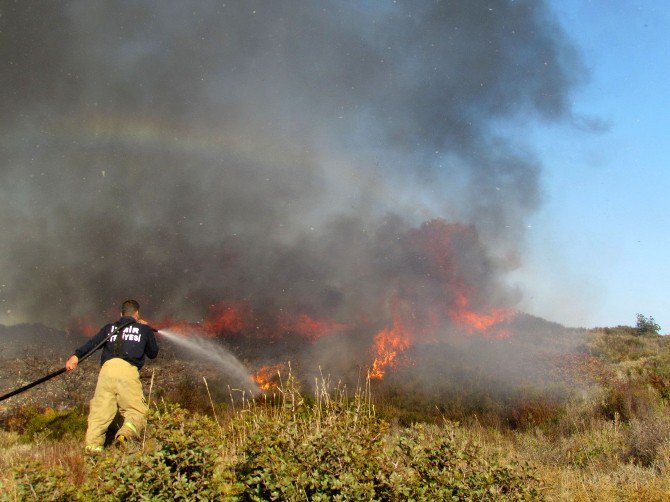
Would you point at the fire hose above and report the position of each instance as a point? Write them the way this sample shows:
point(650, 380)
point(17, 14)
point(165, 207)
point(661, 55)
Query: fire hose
point(63, 370)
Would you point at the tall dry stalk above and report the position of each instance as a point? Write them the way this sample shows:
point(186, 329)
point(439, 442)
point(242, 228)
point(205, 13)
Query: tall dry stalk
point(151, 386)
point(213, 408)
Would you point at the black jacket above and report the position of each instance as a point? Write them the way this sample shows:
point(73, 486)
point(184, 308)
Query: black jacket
point(138, 340)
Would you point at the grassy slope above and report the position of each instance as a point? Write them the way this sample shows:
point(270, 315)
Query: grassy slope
point(608, 440)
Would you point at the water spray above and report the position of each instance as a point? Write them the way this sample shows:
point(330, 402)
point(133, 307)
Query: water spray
point(207, 349)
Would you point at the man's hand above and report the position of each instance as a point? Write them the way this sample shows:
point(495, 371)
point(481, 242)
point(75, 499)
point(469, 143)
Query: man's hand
point(71, 363)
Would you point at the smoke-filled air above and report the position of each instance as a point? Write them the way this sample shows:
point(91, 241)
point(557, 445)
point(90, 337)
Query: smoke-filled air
point(336, 219)
point(334, 171)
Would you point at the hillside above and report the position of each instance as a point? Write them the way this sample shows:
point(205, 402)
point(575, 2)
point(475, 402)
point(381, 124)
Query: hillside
point(36, 340)
point(546, 413)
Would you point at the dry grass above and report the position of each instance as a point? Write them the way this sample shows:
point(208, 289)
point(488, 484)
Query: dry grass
point(603, 461)
point(66, 454)
point(587, 466)
point(627, 482)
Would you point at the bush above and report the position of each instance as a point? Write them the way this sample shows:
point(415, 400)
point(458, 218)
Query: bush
point(537, 412)
point(617, 347)
point(628, 399)
point(430, 463)
point(178, 465)
point(656, 371)
point(646, 325)
point(332, 457)
point(55, 425)
point(34, 482)
point(328, 448)
point(645, 438)
point(338, 449)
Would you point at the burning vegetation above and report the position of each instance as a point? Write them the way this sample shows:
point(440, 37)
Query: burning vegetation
point(267, 376)
point(433, 285)
point(358, 245)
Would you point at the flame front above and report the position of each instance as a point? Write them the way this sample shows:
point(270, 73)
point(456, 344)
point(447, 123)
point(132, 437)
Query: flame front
point(239, 318)
point(233, 317)
point(437, 300)
point(483, 322)
point(437, 284)
point(84, 327)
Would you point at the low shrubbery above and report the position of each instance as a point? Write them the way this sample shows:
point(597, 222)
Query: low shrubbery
point(46, 424)
point(605, 435)
point(177, 462)
point(330, 448)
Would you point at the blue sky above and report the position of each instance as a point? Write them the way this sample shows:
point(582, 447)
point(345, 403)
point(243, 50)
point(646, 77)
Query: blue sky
point(598, 247)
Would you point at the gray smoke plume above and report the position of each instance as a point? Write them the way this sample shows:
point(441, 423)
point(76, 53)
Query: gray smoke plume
point(277, 152)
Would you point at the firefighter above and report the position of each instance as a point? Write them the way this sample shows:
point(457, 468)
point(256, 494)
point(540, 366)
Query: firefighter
point(119, 387)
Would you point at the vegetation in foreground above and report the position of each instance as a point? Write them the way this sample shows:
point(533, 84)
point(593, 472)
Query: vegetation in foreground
point(329, 447)
point(607, 440)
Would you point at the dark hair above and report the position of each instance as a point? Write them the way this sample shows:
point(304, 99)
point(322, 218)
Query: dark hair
point(130, 307)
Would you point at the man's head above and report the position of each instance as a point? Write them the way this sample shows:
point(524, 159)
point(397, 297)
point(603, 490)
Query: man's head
point(130, 308)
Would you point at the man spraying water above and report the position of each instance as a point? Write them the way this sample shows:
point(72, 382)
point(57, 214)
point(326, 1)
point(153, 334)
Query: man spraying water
point(119, 387)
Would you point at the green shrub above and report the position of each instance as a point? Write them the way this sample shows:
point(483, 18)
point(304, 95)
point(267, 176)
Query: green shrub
point(17, 418)
point(646, 325)
point(178, 465)
point(329, 458)
point(35, 482)
point(328, 448)
point(344, 452)
point(54, 425)
point(430, 463)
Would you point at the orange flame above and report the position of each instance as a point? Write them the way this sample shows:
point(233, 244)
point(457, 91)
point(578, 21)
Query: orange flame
point(389, 343)
point(473, 321)
point(235, 317)
point(309, 327)
point(84, 327)
point(443, 290)
point(445, 295)
point(267, 376)
point(183, 328)
point(239, 318)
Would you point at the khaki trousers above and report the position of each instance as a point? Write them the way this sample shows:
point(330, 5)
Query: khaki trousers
point(118, 387)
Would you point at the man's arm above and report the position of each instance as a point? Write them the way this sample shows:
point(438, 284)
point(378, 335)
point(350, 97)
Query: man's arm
point(151, 348)
point(72, 362)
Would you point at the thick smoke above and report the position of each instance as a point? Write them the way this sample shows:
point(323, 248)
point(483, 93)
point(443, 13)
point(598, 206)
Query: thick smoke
point(278, 153)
